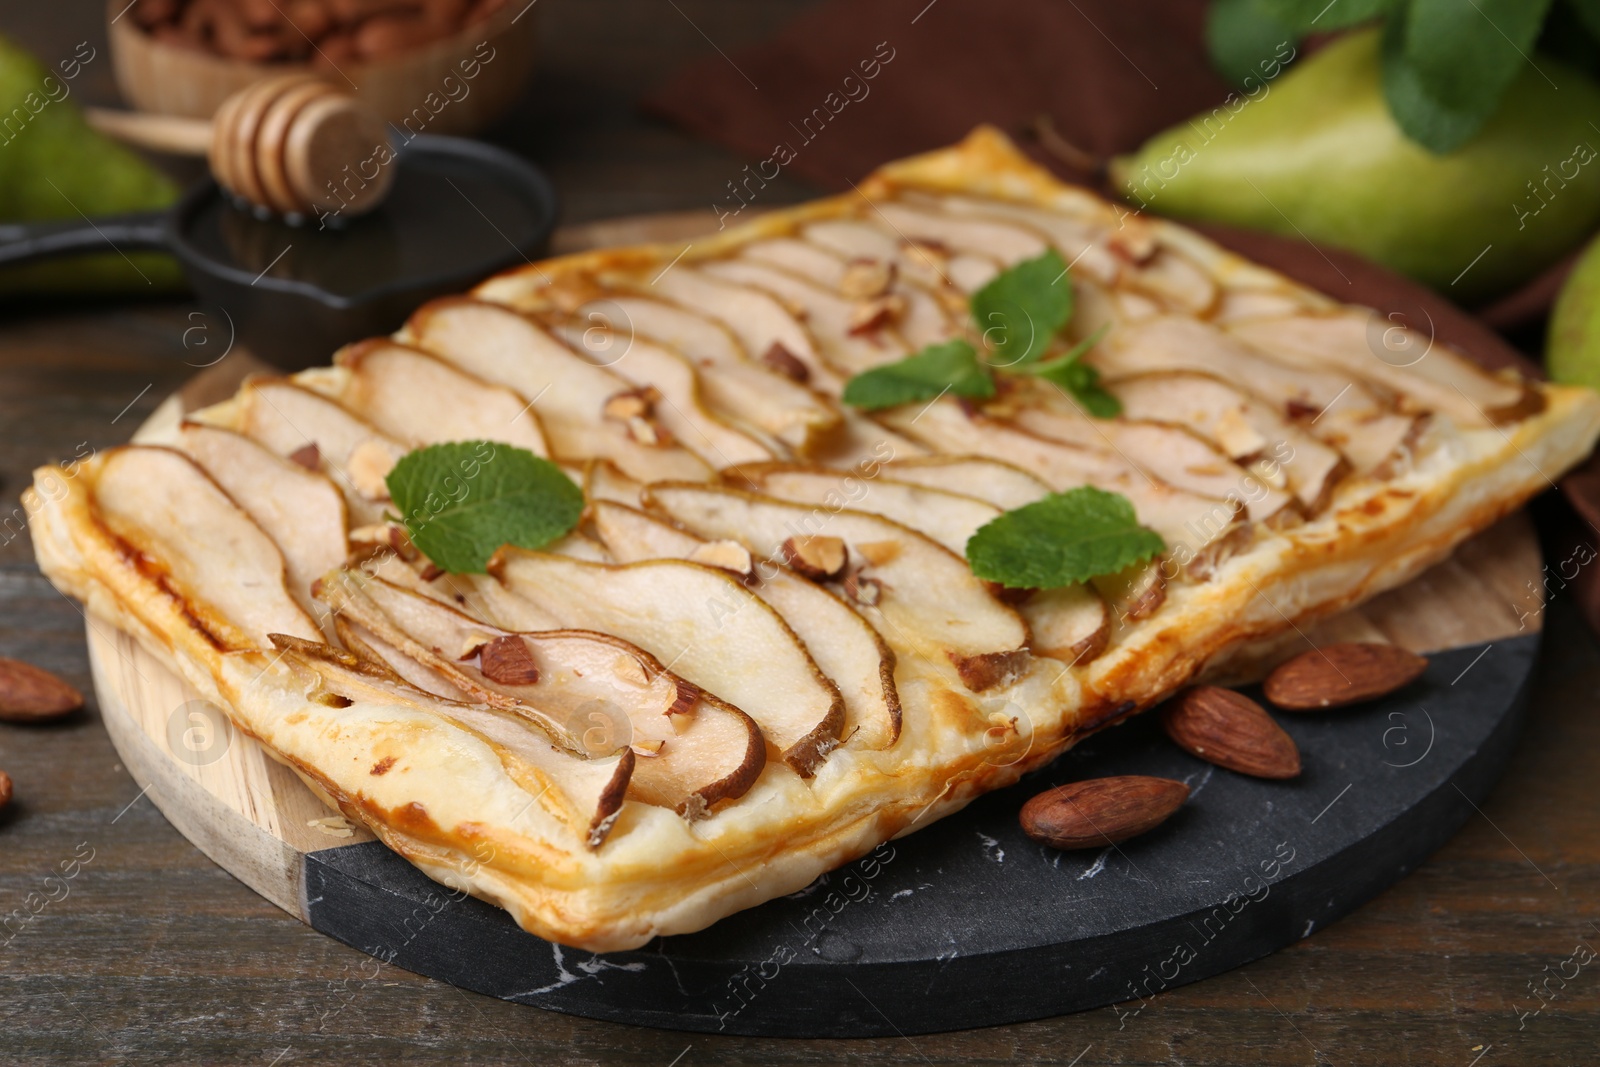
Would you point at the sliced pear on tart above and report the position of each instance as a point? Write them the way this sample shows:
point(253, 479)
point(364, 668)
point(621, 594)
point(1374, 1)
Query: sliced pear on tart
point(846, 647)
point(570, 393)
point(421, 400)
point(586, 794)
point(695, 751)
point(706, 627)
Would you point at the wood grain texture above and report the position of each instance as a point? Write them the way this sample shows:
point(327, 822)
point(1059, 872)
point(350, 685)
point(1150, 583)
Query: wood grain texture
point(156, 955)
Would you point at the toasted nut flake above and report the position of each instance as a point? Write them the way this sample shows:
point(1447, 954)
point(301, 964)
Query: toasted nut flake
point(385, 535)
point(1229, 729)
point(369, 464)
point(648, 749)
point(875, 314)
point(430, 570)
point(648, 433)
point(1336, 675)
point(471, 645)
point(877, 553)
point(632, 404)
point(507, 660)
point(866, 278)
point(33, 694)
point(308, 456)
point(1101, 811)
point(786, 363)
point(728, 555)
point(627, 668)
point(816, 557)
point(684, 700)
point(991, 669)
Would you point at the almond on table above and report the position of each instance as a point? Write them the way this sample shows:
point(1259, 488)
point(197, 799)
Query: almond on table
point(1336, 675)
point(33, 694)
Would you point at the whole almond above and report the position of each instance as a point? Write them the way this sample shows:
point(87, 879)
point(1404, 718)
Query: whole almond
point(1336, 675)
point(1101, 811)
point(31, 694)
point(1230, 730)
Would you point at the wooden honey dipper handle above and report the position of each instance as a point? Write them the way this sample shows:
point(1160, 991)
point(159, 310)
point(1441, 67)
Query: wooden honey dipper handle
point(293, 145)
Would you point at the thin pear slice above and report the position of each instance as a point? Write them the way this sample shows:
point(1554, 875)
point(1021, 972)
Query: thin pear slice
point(570, 393)
point(1337, 408)
point(303, 513)
point(289, 419)
point(416, 398)
point(1180, 517)
point(586, 795)
point(1243, 427)
point(1083, 244)
point(1174, 454)
point(1070, 623)
point(827, 315)
point(949, 518)
point(1004, 241)
point(757, 319)
point(853, 239)
point(990, 480)
point(1174, 280)
point(705, 626)
point(798, 257)
point(908, 308)
point(845, 646)
point(695, 751)
point(602, 480)
point(201, 547)
point(679, 409)
point(1432, 374)
point(735, 385)
point(922, 597)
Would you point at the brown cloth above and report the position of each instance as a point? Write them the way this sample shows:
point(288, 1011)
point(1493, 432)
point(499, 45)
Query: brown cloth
point(853, 83)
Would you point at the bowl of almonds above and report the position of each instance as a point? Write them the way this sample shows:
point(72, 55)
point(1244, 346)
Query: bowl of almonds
point(427, 66)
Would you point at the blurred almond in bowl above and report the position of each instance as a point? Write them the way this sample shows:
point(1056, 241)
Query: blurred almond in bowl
point(427, 66)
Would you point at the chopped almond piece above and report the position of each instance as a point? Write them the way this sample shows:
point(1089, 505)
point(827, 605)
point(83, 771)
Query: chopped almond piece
point(647, 432)
point(728, 555)
point(864, 591)
point(309, 457)
point(819, 558)
point(369, 464)
point(507, 660)
point(866, 278)
point(786, 363)
point(633, 404)
point(877, 313)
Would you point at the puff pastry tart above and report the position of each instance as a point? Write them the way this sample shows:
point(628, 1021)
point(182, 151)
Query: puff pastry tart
point(762, 651)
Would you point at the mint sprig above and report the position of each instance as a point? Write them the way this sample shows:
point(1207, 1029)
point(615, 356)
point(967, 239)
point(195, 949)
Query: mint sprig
point(1072, 375)
point(1061, 540)
point(1021, 309)
point(462, 500)
point(950, 367)
point(1018, 315)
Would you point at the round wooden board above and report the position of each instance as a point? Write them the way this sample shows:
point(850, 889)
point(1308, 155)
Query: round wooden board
point(965, 923)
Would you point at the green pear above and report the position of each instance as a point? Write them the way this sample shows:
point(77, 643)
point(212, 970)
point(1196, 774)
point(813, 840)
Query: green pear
point(54, 166)
point(1316, 154)
point(1572, 350)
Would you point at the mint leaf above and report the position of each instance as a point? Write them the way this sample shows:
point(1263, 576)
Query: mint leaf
point(462, 500)
point(1022, 307)
point(1078, 379)
point(1247, 39)
point(952, 366)
point(1447, 64)
point(1063, 539)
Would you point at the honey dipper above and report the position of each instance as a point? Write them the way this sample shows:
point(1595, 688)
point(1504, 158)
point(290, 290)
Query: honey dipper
point(292, 145)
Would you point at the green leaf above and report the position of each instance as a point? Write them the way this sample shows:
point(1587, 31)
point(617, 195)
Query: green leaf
point(461, 501)
point(1244, 38)
point(1321, 16)
point(1078, 379)
point(952, 366)
point(1022, 307)
point(1063, 539)
point(1448, 63)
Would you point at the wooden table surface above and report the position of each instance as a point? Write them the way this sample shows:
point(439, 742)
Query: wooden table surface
point(150, 953)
